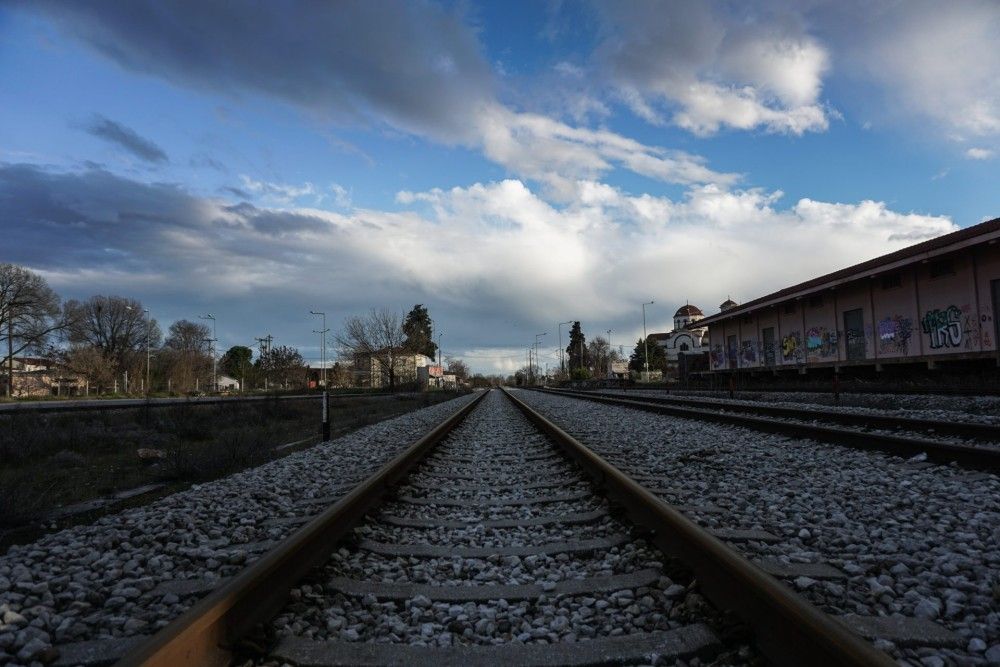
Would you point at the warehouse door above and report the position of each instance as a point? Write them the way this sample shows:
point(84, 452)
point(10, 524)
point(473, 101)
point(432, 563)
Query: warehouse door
point(768, 334)
point(732, 352)
point(854, 332)
point(996, 313)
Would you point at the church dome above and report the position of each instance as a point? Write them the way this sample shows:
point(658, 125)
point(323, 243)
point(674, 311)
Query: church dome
point(688, 310)
point(727, 304)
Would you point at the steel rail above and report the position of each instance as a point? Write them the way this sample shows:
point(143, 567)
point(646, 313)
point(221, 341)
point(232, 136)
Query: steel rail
point(94, 405)
point(985, 432)
point(208, 632)
point(789, 630)
point(980, 458)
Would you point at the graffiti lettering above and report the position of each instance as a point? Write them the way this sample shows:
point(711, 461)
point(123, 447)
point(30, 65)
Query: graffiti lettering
point(718, 357)
point(821, 342)
point(748, 353)
point(791, 347)
point(943, 327)
point(894, 334)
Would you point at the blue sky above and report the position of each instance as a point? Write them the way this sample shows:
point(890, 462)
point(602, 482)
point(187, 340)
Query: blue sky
point(509, 165)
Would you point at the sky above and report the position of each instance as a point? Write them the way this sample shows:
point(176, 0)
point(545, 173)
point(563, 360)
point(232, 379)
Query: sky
point(508, 165)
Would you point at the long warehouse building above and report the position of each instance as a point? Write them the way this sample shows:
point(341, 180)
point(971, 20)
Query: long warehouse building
point(932, 302)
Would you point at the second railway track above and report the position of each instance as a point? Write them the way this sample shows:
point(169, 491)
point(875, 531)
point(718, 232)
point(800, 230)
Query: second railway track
point(496, 548)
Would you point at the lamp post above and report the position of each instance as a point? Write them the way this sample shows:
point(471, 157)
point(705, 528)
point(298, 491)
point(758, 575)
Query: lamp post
point(325, 419)
point(609, 352)
point(537, 336)
point(215, 338)
point(562, 352)
point(645, 342)
point(146, 311)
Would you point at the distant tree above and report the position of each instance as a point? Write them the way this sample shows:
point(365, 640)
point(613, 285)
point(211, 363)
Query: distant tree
point(283, 365)
point(186, 358)
point(340, 376)
point(89, 362)
point(116, 326)
point(236, 363)
point(377, 336)
point(657, 357)
point(29, 314)
point(577, 348)
point(419, 330)
point(459, 368)
point(601, 354)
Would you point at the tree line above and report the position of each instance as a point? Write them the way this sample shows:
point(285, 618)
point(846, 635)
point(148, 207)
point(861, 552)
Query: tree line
point(107, 340)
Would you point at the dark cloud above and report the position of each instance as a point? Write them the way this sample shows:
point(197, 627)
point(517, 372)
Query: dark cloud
point(414, 64)
point(125, 137)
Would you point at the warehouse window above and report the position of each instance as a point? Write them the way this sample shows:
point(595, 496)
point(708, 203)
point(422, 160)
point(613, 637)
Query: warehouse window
point(892, 280)
point(684, 347)
point(815, 302)
point(789, 309)
point(942, 268)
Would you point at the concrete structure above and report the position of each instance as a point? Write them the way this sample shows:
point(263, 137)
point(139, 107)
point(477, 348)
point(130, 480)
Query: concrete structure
point(37, 376)
point(405, 367)
point(686, 337)
point(932, 302)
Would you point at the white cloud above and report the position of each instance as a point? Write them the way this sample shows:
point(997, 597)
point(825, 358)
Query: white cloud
point(930, 61)
point(706, 67)
point(283, 193)
point(979, 153)
point(483, 255)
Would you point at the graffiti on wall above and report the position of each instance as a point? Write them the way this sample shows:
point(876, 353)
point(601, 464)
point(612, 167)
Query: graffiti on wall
point(718, 356)
point(894, 335)
point(791, 347)
point(943, 327)
point(748, 353)
point(821, 342)
point(986, 326)
point(970, 330)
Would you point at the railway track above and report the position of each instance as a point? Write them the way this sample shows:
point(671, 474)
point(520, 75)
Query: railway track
point(497, 549)
point(903, 436)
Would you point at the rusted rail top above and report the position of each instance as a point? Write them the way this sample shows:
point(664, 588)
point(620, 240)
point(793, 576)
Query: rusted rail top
point(985, 432)
point(206, 633)
point(980, 458)
point(92, 405)
point(789, 630)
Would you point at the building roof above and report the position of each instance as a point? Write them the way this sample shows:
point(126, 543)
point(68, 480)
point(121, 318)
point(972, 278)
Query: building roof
point(728, 303)
point(984, 232)
point(687, 310)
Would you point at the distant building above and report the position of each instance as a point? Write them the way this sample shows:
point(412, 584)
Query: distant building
point(227, 383)
point(684, 339)
point(38, 376)
point(406, 367)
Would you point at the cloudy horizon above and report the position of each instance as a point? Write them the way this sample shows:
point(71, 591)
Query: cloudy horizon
point(508, 168)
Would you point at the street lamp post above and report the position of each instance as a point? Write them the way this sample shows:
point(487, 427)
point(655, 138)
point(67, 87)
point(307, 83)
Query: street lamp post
point(325, 423)
point(215, 338)
point(562, 352)
point(146, 311)
point(645, 342)
point(537, 336)
point(609, 352)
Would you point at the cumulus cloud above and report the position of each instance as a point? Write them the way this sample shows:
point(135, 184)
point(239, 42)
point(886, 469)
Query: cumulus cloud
point(125, 137)
point(930, 61)
point(707, 67)
point(535, 262)
point(415, 67)
point(979, 153)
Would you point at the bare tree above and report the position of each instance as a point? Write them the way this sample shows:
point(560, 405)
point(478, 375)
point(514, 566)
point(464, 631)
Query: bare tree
point(283, 365)
point(374, 341)
point(458, 368)
point(90, 363)
point(186, 355)
point(115, 325)
point(29, 313)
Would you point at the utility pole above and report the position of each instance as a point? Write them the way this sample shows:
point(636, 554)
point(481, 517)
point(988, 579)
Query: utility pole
point(325, 419)
point(215, 368)
point(645, 342)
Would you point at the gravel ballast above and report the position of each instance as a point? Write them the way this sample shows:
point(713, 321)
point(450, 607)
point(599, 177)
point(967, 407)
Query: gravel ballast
point(912, 539)
point(99, 581)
